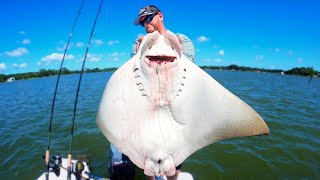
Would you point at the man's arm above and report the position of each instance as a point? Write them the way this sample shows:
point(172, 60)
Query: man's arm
point(187, 47)
point(134, 49)
point(135, 46)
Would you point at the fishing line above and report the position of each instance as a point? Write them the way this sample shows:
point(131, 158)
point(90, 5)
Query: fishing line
point(55, 91)
point(78, 89)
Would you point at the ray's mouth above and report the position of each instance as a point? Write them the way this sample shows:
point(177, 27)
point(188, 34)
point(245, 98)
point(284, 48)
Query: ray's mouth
point(161, 59)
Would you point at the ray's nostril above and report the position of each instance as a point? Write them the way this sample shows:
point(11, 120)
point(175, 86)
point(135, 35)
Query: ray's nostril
point(159, 161)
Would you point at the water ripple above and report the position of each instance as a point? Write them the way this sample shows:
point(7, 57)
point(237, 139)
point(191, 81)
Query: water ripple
point(289, 104)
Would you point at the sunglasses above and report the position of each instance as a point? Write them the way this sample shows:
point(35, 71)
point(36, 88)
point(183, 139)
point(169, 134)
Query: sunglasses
point(148, 19)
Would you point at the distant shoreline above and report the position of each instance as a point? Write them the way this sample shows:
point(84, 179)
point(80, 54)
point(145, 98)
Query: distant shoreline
point(300, 71)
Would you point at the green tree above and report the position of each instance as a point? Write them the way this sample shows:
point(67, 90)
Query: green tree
point(233, 67)
point(65, 71)
point(2, 78)
point(43, 72)
point(309, 71)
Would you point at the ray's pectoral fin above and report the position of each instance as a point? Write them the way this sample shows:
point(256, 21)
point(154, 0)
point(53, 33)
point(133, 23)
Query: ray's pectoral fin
point(211, 113)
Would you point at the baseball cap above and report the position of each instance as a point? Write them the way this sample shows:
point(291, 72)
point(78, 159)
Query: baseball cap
point(145, 11)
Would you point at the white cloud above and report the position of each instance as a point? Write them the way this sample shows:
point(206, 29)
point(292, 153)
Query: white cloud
point(71, 45)
point(22, 65)
point(60, 49)
point(213, 60)
point(115, 56)
point(259, 57)
point(113, 42)
point(79, 44)
point(299, 59)
point(115, 59)
point(94, 57)
point(277, 50)
point(290, 52)
point(17, 52)
point(202, 39)
point(271, 67)
point(56, 56)
point(220, 52)
point(26, 41)
point(22, 32)
point(98, 42)
point(215, 46)
point(3, 67)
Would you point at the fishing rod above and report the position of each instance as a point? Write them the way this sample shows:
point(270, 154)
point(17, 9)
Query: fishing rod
point(47, 158)
point(78, 89)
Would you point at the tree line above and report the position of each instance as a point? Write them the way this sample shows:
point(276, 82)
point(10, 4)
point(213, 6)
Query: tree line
point(50, 72)
point(302, 71)
point(234, 67)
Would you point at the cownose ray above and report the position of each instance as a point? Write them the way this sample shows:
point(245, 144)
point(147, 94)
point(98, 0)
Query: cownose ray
point(159, 108)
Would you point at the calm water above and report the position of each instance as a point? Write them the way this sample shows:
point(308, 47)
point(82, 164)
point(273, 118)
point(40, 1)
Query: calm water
point(289, 104)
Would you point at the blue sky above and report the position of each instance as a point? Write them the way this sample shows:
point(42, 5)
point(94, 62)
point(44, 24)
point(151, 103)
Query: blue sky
point(272, 34)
